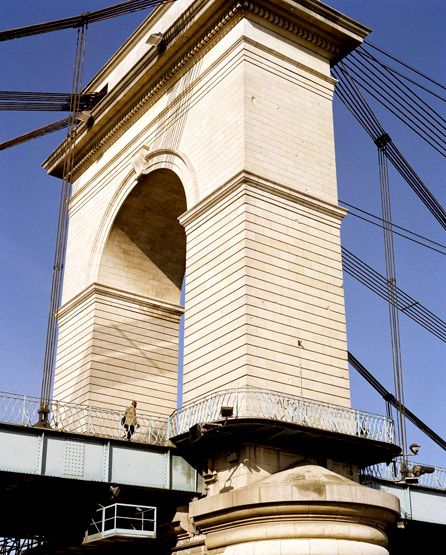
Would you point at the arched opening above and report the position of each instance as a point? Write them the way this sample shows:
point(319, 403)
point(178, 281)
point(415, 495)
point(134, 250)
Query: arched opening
point(145, 251)
point(137, 308)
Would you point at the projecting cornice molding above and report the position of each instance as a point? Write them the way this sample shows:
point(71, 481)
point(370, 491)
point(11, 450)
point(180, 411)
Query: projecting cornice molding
point(99, 291)
point(306, 21)
point(247, 182)
point(272, 16)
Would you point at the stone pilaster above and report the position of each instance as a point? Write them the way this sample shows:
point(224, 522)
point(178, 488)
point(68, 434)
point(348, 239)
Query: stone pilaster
point(264, 297)
point(115, 346)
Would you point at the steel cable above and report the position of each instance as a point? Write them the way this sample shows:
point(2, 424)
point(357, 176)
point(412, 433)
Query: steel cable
point(349, 94)
point(418, 72)
point(391, 81)
point(391, 291)
point(374, 281)
point(388, 397)
point(79, 21)
point(62, 230)
point(41, 101)
point(40, 132)
point(405, 77)
point(401, 78)
point(423, 241)
point(413, 121)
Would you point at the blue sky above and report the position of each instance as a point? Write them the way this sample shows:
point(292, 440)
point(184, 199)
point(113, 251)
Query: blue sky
point(411, 29)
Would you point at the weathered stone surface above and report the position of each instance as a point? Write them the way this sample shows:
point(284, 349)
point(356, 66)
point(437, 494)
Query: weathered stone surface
point(237, 113)
point(229, 129)
point(307, 509)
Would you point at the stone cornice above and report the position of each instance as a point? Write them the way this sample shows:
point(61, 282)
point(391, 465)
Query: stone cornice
point(99, 290)
point(250, 180)
point(285, 16)
point(52, 164)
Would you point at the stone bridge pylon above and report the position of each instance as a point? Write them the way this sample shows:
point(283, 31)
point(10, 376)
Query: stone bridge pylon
point(211, 163)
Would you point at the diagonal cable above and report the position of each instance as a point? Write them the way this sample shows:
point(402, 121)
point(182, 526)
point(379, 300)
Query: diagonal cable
point(415, 119)
point(387, 396)
point(401, 75)
point(377, 283)
point(40, 132)
point(350, 96)
point(404, 232)
point(405, 64)
point(78, 21)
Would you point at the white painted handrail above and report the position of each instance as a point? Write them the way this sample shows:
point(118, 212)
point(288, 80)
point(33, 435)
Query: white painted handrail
point(81, 419)
point(261, 403)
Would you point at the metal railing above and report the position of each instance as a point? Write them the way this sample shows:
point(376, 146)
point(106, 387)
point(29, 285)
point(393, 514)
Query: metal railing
point(122, 520)
point(260, 403)
point(155, 430)
point(392, 473)
point(81, 419)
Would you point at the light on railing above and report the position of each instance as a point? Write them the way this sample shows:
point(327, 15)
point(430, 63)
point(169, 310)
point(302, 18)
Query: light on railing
point(410, 474)
point(226, 412)
point(420, 469)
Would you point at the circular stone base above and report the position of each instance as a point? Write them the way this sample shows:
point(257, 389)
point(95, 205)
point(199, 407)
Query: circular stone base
point(305, 547)
point(306, 510)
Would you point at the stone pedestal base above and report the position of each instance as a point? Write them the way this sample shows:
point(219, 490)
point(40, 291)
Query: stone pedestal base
point(307, 510)
point(305, 547)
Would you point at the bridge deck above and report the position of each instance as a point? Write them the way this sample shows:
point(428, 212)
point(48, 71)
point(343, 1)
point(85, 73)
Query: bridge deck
point(52, 482)
point(52, 476)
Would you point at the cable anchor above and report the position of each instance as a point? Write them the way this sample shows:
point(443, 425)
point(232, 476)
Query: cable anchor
point(382, 141)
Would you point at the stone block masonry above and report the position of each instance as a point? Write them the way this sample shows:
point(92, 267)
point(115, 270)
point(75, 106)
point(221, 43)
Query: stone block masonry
point(264, 294)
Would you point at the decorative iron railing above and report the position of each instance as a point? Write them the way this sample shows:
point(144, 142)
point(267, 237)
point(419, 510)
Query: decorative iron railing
point(244, 403)
point(81, 419)
point(392, 473)
point(260, 403)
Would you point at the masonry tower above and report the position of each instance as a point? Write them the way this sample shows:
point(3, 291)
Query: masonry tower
point(212, 157)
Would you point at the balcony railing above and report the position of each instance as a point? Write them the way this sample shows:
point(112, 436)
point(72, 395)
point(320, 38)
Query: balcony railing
point(260, 403)
point(392, 473)
point(122, 520)
point(81, 419)
point(245, 403)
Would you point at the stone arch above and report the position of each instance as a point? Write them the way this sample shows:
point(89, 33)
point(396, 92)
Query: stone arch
point(145, 250)
point(144, 163)
point(137, 277)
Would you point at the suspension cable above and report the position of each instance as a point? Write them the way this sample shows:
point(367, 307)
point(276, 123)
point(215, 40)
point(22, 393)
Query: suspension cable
point(389, 398)
point(404, 76)
point(374, 281)
point(406, 233)
point(40, 132)
point(405, 99)
point(46, 101)
point(62, 229)
point(387, 97)
point(351, 97)
point(79, 21)
point(391, 56)
point(401, 78)
point(391, 291)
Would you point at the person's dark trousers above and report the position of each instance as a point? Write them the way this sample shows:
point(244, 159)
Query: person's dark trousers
point(130, 430)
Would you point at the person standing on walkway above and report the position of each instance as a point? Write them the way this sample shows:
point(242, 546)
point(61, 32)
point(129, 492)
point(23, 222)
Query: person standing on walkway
point(130, 420)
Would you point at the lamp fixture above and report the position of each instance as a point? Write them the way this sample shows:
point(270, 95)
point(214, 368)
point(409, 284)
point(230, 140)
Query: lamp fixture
point(227, 412)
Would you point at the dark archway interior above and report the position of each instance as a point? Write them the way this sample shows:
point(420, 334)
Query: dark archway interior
point(146, 248)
